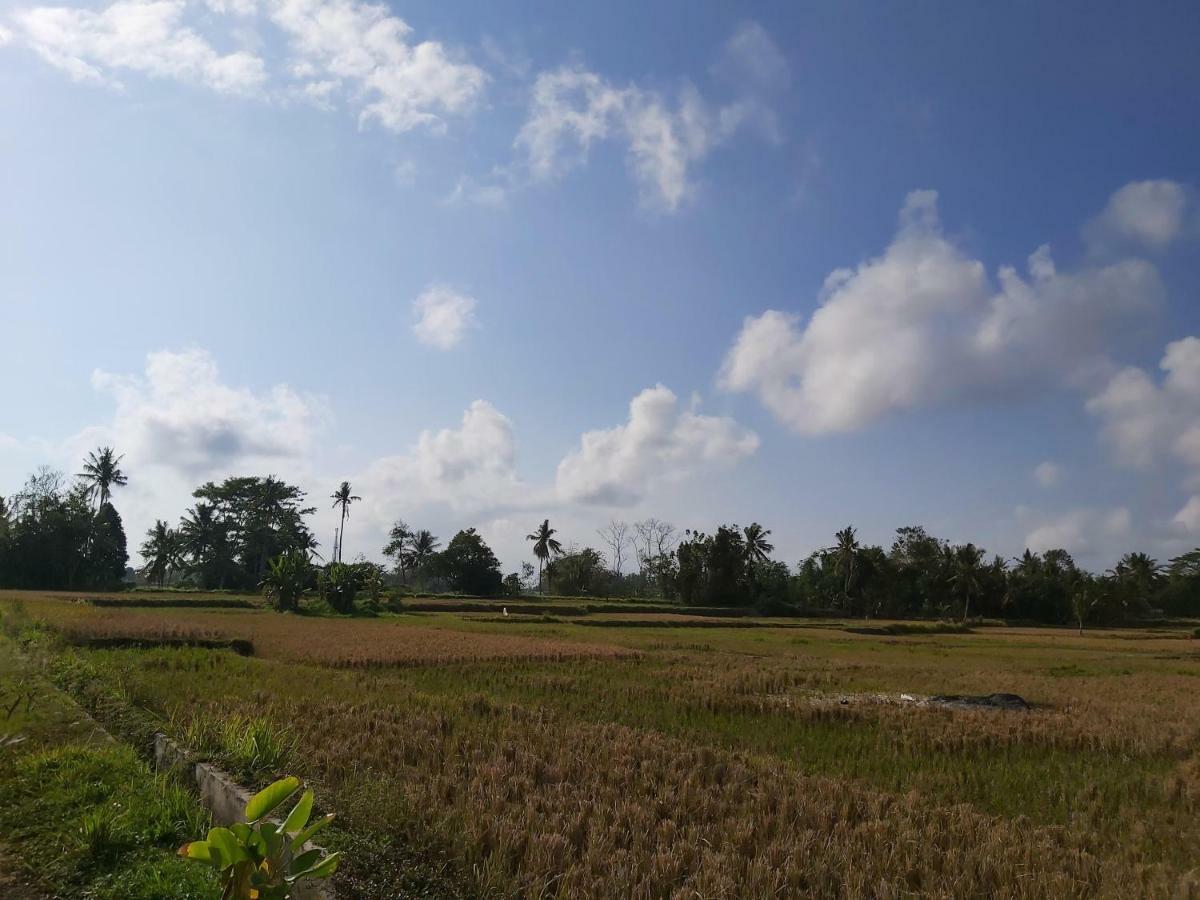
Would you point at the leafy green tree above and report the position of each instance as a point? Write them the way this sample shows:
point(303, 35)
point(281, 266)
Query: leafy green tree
point(399, 548)
point(107, 552)
point(101, 473)
point(579, 573)
point(469, 565)
point(342, 498)
point(544, 548)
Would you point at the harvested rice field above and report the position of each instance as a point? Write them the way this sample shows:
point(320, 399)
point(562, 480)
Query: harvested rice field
point(477, 755)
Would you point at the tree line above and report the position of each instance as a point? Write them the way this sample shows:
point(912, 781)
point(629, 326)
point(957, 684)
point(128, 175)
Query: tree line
point(250, 533)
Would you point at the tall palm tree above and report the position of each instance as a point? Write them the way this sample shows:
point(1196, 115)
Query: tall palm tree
point(102, 472)
point(544, 546)
point(160, 550)
point(968, 575)
point(845, 555)
point(343, 498)
point(758, 548)
point(204, 537)
point(422, 546)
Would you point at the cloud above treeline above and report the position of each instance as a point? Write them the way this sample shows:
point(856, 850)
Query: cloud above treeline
point(180, 423)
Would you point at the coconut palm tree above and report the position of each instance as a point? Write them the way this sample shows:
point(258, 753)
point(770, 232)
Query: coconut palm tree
point(758, 548)
point(968, 574)
point(422, 545)
point(544, 547)
point(343, 498)
point(102, 472)
point(845, 555)
point(205, 540)
point(160, 550)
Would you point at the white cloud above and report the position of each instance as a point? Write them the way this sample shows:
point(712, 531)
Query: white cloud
point(1144, 421)
point(233, 7)
point(751, 55)
point(1047, 473)
point(472, 467)
point(368, 54)
point(1081, 531)
point(443, 316)
point(616, 465)
point(180, 415)
point(1150, 213)
point(6, 36)
point(922, 324)
point(143, 36)
point(572, 109)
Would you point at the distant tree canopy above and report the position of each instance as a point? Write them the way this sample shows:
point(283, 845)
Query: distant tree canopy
point(51, 536)
point(469, 566)
point(229, 537)
point(250, 531)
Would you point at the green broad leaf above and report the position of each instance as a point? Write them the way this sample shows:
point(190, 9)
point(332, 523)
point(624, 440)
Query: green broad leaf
point(306, 835)
point(298, 817)
point(265, 801)
point(323, 869)
point(222, 840)
point(306, 860)
point(197, 850)
point(242, 832)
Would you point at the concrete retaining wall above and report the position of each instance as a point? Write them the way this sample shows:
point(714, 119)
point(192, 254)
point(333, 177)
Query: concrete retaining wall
point(225, 799)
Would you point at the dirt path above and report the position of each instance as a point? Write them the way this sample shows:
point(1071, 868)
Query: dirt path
point(13, 885)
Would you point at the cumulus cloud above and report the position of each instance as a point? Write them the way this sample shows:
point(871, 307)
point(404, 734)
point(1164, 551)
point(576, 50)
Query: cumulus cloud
point(361, 51)
point(5, 36)
point(180, 415)
point(923, 324)
point(471, 467)
point(443, 316)
point(1145, 421)
point(1149, 213)
point(346, 51)
point(659, 441)
point(1047, 473)
point(141, 36)
point(572, 109)
point(1081, 531)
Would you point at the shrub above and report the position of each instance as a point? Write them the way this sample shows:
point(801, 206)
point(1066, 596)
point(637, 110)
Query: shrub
point(259, 860)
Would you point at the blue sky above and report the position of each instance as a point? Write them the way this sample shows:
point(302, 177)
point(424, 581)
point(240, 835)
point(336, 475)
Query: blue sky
point(440, 251)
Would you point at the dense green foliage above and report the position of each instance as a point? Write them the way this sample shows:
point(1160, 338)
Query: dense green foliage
point(469, 565)
point(50, 536)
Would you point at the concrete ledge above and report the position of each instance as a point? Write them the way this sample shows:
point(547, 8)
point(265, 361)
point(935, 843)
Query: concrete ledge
point(225, 799)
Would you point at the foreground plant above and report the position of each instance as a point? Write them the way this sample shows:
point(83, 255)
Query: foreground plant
point(260, 860)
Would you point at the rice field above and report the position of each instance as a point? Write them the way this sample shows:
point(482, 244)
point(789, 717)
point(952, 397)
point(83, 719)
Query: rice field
point(544, 756)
